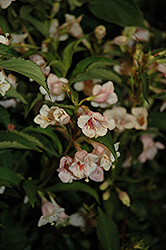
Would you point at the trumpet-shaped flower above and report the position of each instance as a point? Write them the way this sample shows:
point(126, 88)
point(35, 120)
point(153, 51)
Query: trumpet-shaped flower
point(38, 59)
point(84, 164)
point(73, 25)
point(64, 173)
point(150, 148)
point(4, 85)
point(57, 88)
point(93, 124)
point(104, 95)
point(141, 115)
point(122, 119)
point(52, 213)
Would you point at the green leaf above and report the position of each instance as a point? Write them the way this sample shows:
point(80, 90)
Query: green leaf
point(107, 232)
point(145, 85)
point(75, 186)
point(123, 13)
point(11, 139)
point(30, 188)
point(12, 235)
point(58, 65)
point(73, 95)
point(25, 67)
point(98, 73)
point(108, 142)
point(38, 98)
point(157, 120)
point(161, 95)
point(4, 25)
point(68, 54)
point(12, 92)
point(6, 51)
point(4, 117)
point(83, 64)
point(49, 134)
point(9, 177)
point(40, 26)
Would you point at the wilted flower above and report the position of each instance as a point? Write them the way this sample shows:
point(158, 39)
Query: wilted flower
point(4, 85)
point(150, 148)
point(51, 116)
point(141, 115)
point(57, 88)
point(100, 32)
point(122, 119)
point(104, 95)
point(93, 124)
point(52, 213)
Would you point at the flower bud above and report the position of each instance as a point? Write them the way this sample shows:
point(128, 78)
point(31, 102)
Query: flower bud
point(125, 199)
point(100, 32)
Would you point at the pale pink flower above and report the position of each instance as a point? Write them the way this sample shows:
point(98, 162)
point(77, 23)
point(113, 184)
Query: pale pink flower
point(106, 158)
point(52, 213)
point(78, 220)
point(5, 3)
point(100, 32)
point(38, 59)
point(104, 95)
point(122, 119)
point(4, 40)
point(64, 173)
point(18, 39)
point(51, 116)
point(162, 68)
point(2, 189)
point(56, 32)
point(84, 164)
point(141, 35)
point(150, 148)
point(73, 25)
point(86, 86)
point(98, 175)
point(93, 124)
point(141, 115)
point(57, 88)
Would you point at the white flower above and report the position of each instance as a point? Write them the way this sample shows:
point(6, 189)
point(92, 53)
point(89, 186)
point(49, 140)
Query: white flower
point(141, 115)
point(4, 40)
point(150, 148)
point(5, 3)
point(4, 85)
point(93, 124)
point(51, 116)
point(122, 119)
point(2, 189)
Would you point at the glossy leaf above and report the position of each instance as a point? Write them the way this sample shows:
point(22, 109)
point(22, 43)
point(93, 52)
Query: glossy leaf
point(107, 232)
point(120, 12)
point(4, 117)
point(75, 186)
point(26, 68)
point(30, 188)
point(6, 51)
point(12, 92)
point(9, 177)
